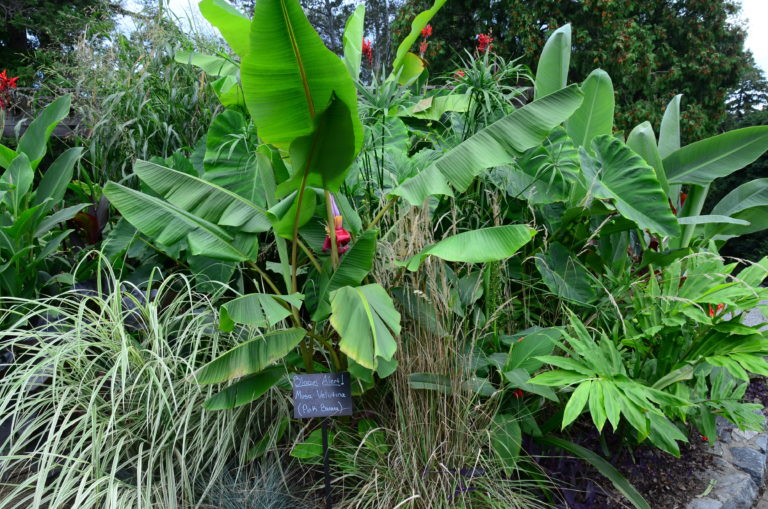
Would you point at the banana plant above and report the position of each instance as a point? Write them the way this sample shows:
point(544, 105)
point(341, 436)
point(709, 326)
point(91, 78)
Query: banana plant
point(31, 217)
point(272, 178)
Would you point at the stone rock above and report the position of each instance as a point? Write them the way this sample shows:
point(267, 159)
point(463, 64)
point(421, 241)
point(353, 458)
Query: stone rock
point(724, 428)
point(744, 436)
point(762, 442)
point(736, 491)
point(705, 503)
point(750, 461)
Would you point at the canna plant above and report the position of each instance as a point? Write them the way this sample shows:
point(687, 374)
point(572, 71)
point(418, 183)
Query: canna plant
point(31, 217)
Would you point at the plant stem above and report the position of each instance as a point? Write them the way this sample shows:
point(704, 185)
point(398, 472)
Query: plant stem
point(328, 346)
point(331, 230)
point(309, 254)
point(265, 277)
point(382, 212)
point(697, 195)
point(295, 247)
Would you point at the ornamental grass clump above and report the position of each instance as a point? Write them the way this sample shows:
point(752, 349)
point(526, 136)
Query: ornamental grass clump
point(98, 409)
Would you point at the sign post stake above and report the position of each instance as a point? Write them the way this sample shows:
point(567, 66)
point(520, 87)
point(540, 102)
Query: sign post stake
point(326, 466)
point(322, 395)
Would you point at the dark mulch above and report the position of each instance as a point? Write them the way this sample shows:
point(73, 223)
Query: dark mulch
point(666, 482)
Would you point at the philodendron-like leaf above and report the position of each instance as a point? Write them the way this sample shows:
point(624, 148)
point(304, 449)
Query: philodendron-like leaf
point(476, 246)
point(232, 24)
point(496, 145)
point(595, 115)
point(203, 199)
point(418, 24)
point(619, 174)
point(565, 276)
point(748, 202)
point(168, 224)
point(367, 322)
point(258, 309)
point(290, 76)
point(643, 141)
point(552, 71)
point(250, 357)
point(246, 390)
point(353, 40)
point(702, 162)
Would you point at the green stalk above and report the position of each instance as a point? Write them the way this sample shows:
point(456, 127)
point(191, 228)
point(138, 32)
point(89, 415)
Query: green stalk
point(697, 195)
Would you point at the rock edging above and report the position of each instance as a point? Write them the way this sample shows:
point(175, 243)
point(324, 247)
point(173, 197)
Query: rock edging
point(739, 472)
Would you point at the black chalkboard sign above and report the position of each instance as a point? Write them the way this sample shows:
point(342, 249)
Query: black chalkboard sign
point(321, 395)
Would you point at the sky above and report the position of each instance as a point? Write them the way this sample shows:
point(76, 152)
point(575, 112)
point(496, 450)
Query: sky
point(754, 13)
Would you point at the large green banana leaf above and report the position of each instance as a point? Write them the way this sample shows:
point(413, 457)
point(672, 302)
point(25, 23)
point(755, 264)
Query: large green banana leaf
point(245, 390)
point(669, 132)
point(321, 159)
point(619, 174)
point(250, 357)
point(498, 144)
point(552, 71)
point(232, 24)
point(748, 202)
point(476, 246)
point(257, 309)
point(353, 41)
point(702, 162)
point(289, 77)
point(367, 322)
point(203, 199)
point(642, 140)
point(595, 115)
point(168, 224)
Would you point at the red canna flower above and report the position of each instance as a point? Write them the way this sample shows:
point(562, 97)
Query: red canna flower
point(484, 42)
point(426, 31)
point(368, 51)
point(517, 393)
point(6, 83)
point(423, 48)
point(459, 74)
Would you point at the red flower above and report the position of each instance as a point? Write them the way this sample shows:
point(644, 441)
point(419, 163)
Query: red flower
point(704, 438)
point(368, 51)
point(674, 210)
point(423, 47)
point(484, 42)
point(426, 31)
point(5, 84)
point(517, 393)
point(459, 74)
point(683, 196)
